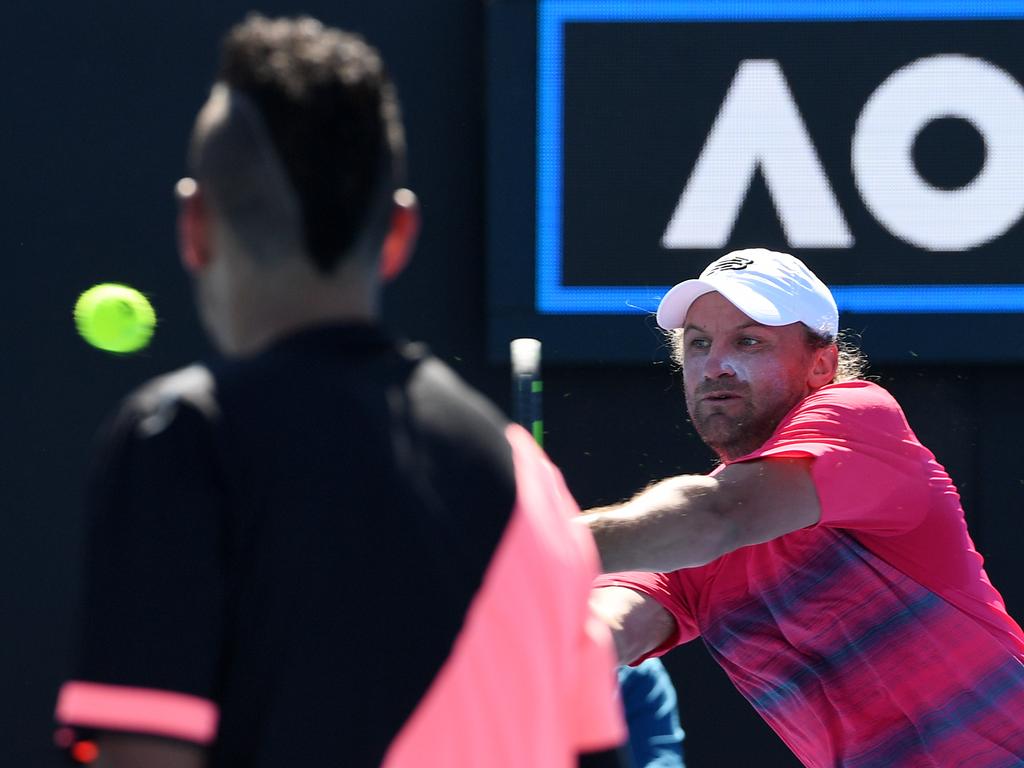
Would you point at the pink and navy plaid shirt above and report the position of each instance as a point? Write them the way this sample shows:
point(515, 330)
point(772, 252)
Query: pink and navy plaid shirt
point(873, 638)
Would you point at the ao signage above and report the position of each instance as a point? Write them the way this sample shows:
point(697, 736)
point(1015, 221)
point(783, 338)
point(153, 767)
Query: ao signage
point(908, 206)
point(887, 151)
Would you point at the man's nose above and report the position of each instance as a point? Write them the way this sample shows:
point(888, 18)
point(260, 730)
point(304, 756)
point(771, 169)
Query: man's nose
point(718, 364)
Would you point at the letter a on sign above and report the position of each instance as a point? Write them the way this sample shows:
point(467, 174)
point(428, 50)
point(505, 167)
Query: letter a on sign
point(758, 127)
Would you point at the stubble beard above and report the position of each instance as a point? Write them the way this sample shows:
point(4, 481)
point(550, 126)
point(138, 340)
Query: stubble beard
point(734, 436)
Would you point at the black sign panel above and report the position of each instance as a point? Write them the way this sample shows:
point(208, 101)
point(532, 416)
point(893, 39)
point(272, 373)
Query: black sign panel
point(881, 146)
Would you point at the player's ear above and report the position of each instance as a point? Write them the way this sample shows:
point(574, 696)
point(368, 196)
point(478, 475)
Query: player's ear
point(402, 234)
point(193, 226)
point(824, 365)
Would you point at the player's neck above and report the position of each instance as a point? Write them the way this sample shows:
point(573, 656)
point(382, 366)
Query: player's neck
point(260, 336)
point(288, 301)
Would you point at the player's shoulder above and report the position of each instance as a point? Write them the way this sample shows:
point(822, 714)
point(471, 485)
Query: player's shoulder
point(187, 394)
point(859, 401)
point(441, 379)
point(443, 391)
point(855, 394)
point(461, 424)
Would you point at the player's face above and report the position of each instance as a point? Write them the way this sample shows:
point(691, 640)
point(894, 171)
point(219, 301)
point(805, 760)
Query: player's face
point(740, 377)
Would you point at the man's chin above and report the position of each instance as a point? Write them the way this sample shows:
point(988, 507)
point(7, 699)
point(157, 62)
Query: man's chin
point(730, 438)
point(718, 430)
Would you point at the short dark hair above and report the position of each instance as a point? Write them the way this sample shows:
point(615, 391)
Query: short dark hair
point(333, 119)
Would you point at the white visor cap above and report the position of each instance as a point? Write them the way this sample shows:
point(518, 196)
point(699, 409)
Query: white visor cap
point(770, 288)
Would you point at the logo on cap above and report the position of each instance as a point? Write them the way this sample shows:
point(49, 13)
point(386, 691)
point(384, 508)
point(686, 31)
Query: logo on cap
point(732, 262)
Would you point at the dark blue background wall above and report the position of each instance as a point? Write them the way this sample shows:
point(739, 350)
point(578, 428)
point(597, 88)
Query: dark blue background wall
point(98, 99)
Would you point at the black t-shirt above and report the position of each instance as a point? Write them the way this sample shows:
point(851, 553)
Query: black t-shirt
point(294, 537)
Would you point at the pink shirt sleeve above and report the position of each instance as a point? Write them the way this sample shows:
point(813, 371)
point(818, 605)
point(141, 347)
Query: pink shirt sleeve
point(531, 679)
point(595, 725)
point(867, 466)
point(596, 718)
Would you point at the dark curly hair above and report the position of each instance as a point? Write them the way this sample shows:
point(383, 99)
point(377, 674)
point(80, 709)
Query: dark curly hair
point(333, 119)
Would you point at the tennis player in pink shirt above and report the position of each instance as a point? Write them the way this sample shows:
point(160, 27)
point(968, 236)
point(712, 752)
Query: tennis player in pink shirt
point(825, 562)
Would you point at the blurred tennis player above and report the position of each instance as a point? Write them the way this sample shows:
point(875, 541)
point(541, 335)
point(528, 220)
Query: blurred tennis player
point(826, 562)
point(325, 549)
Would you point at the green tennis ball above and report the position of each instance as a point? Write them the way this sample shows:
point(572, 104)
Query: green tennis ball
point(115, 318)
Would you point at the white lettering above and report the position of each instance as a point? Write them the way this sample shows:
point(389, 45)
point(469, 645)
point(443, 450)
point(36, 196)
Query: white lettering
point(758, 127)
point(947, 85)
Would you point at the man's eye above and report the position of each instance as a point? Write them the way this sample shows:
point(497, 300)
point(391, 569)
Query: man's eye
point(748, 341)
point(700, 343)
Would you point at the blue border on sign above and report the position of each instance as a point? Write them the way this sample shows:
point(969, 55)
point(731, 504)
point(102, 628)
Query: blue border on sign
point(554, 298)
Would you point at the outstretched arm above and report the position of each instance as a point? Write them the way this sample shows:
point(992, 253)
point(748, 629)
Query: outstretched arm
point(690, 520)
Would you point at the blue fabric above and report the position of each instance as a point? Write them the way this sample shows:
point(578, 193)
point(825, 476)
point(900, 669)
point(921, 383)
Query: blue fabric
point(652, 714)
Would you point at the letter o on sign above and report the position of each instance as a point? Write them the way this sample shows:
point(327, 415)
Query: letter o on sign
point(947, 85)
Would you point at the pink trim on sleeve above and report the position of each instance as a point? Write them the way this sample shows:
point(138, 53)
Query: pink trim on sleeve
point(138, 710)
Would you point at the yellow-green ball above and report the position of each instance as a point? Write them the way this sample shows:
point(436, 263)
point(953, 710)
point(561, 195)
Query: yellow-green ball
point(115, 318)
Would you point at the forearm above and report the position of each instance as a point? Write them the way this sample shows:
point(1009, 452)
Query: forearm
point(639, 623)
point(673, 524)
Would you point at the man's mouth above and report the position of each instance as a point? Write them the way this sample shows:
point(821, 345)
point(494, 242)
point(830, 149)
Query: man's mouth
point(718, 397)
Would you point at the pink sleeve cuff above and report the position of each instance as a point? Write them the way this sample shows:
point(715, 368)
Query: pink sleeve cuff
point(138, 710)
